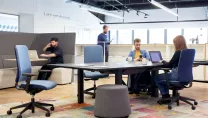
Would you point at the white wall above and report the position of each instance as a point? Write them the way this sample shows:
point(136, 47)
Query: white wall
point(161, 15)
point(45, 24)
point(26, 22)
point(50, 24)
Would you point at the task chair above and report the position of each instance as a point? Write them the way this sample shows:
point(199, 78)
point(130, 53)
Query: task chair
point(93, 54)
point(185, 79)
point(32, 87)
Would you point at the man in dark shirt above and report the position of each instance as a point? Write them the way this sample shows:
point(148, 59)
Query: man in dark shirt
point(56, 57)
point(104, 41)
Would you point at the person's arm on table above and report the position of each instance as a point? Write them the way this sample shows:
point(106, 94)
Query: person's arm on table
point(48, 55)
point(146, 55)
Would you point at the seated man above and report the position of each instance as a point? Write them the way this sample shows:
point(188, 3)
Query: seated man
point(56, 57)
point(136, 82)
point(137, 54)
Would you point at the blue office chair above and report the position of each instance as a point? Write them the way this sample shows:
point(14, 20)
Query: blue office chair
point(93, 54)
point(185, 78)
point(24, 82)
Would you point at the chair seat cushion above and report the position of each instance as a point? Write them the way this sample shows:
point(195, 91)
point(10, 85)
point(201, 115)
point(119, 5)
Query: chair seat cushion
point(40, 85)
point(94, 75)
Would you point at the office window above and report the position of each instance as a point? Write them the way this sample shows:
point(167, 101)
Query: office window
point(9, 23)
point(124, 36)
point(172, 33)
point(113, 36)
point(141, 34)
point(195, 35)
point(156, 36)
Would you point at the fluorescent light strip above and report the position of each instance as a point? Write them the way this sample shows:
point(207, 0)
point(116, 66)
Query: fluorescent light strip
point(163, 7)
point(100, 11)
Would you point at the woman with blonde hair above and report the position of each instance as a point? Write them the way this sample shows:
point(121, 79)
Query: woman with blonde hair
point(179, 44)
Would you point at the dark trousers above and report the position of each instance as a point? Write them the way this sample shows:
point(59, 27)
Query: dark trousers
point(106, 56)
point(45, 75)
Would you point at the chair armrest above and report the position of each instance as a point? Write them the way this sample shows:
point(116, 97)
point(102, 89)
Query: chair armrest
point(45, 71)
point(165, 69)
point(29, 74)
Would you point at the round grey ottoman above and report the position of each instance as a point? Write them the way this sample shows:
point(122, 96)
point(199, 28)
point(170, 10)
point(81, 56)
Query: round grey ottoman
point(112, 101)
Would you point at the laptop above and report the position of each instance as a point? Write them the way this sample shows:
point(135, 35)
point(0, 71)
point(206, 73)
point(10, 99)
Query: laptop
point(33, 54)
point(155, 56)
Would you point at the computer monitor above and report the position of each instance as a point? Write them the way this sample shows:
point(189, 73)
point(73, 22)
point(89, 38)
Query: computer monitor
point(155, 56)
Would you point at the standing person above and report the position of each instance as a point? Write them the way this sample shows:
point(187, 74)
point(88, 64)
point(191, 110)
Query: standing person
point(179, 44)
point(56, 57)
point(104, 41)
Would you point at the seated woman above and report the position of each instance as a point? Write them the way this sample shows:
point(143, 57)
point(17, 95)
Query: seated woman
point(179, 44)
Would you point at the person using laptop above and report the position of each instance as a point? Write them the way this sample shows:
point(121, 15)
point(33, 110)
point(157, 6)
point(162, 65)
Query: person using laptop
point(55, 55)
point(138, 82)
point(179, 44)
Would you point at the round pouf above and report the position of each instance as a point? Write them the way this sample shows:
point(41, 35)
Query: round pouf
point(112, 101)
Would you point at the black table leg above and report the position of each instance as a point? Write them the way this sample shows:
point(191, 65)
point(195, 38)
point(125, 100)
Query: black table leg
point(80, 86)
point(154, 89)
point(118, 77)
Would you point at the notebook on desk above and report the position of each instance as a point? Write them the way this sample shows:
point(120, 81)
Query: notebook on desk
point(155, 56)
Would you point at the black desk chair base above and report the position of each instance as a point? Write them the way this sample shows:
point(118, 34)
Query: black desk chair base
point(31, 106)
point(87, 91)
point(176, 98)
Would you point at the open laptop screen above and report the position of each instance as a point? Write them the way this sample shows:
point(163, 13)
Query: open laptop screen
point(155, 56)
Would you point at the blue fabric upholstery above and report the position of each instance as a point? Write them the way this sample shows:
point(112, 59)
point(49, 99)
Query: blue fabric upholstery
point(94, 75)
point(185, 75)
point(24, 66)
point(93, 54)
point(40, 85)
point(185, 66)
point(23, 62)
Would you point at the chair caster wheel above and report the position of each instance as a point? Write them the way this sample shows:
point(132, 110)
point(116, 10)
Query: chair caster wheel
point(19, 116)
point(195, 103)
point(193, 107)
point(169, 107)
point(9, 112)
point(48, 114)
point(52, 108)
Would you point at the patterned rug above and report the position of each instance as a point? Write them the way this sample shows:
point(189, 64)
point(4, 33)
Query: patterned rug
point(142, 106)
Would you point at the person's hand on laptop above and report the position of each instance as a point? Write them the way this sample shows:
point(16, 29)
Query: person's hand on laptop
point(163, 61)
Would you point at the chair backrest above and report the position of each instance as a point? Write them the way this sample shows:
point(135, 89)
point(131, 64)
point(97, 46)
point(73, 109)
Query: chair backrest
point(93, 54)
point(23, 62)
point(186, 65)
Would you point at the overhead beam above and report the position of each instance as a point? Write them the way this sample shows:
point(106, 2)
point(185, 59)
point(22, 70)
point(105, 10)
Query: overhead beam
point(182, 21)
point(173, 4)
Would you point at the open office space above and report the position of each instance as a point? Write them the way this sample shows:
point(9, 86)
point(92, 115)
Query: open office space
point(103, 58)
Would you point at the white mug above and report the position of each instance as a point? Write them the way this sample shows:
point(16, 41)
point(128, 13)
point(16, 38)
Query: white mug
point(144, 61)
